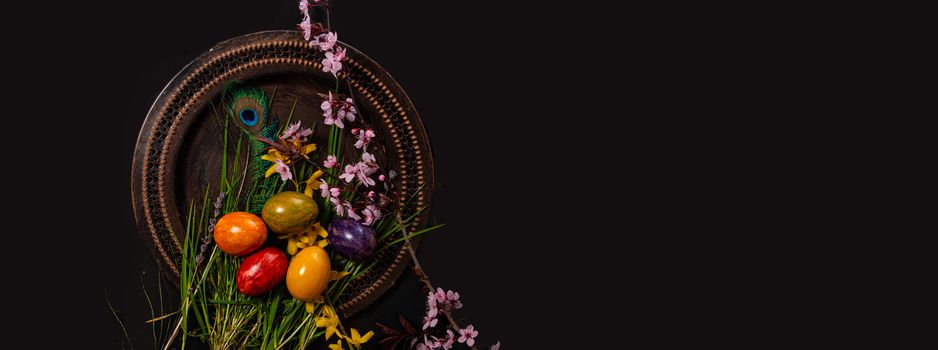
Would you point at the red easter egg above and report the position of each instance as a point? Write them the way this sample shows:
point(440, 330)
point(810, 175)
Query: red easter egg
point(262, 271)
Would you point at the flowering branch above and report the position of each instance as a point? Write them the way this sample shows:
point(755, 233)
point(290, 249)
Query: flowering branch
point(424, 278)
point(322, 37)
point(343, 191)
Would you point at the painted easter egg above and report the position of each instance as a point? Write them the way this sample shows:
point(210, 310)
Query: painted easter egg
point(308, 274)
point(262, 271)
point(351, 238)
point(289, 212)
point(240, 233)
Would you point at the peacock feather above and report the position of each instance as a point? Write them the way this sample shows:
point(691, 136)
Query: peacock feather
point(249, 108)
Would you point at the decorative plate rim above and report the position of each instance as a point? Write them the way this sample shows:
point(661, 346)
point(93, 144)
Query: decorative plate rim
point(178, 105)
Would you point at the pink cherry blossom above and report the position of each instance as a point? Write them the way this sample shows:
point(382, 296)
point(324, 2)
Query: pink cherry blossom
point(452, 299)
point(372, 214)
point(330, 162)
point(467, 335)
point(381, 177)
point(431, 343)
point(430, 320)
point(369, 158)
point(326, 105)
point(307, 28)
point(295, 133)
point(324, 41)
point(340, 55)
point(496, 346)
point(444, 300)
point(364, 174)
point(351, 212)
point(329, 192)
point(448, 342)
point(325, 190)
point(436, 343)
point(336, 111)
point(332, 120)
point(371, 194)
point(283, 170)
point(365, 179)
point(347, 110)
point(338, 205)
point(431, 300)
point(333, 61)
point(349, 174)
point(364, 137)
point(304, 6)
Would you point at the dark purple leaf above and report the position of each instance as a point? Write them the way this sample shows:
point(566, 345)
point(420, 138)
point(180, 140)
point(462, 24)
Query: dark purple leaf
point(409, 328)
point(387, 330)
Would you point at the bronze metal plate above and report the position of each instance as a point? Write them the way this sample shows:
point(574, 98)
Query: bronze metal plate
point(177, 151)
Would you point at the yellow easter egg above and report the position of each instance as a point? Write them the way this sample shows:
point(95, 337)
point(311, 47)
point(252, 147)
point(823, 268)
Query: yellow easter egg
point(308, 274)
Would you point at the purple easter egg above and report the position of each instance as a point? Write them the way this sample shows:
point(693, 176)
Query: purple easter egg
point(351, 239)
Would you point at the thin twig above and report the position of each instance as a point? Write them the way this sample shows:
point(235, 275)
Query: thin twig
point(423, 275)
point(114, 312)
point(244, 175)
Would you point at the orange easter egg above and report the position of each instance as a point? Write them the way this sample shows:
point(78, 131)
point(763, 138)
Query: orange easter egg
point(240, 233)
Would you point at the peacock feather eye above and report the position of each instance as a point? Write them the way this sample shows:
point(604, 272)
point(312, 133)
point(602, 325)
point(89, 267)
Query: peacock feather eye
point(248, 116)
point(249, 106)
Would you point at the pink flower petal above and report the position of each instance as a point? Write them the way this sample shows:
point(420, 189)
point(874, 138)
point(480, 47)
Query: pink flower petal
point(330, 162)
point(283, 170)
point(307, 27)
point(351, 213)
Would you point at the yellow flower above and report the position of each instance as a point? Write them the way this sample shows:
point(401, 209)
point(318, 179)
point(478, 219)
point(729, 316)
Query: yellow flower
point(311, 306)
point(312, 184)
point(336, 275)
point(357, 339)
point(307, 149)
point(306, 239)
point(316, 230)
point(328, 319)
point(273, 156)
point(337, 345)
point(291, 152)
point(291, 245)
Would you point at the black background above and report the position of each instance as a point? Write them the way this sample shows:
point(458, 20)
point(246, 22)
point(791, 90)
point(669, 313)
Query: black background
point(512, 96)
point(631, 176)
